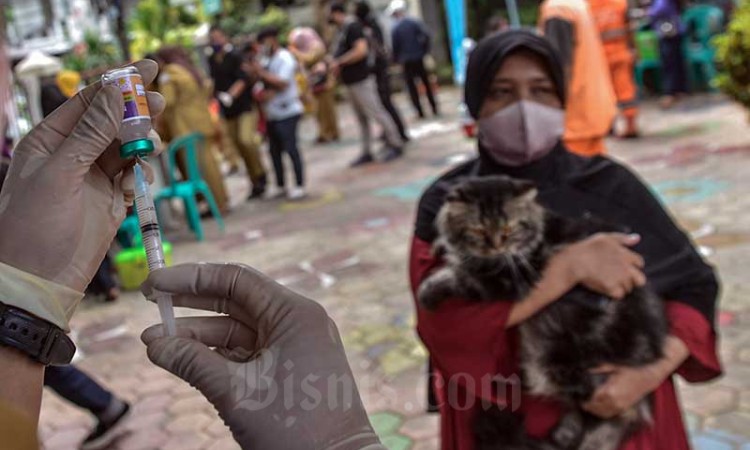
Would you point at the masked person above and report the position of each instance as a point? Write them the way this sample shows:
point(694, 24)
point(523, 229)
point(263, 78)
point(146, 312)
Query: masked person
point(234, 91)
point(515, 88)
point(350, 59)
point(283, 109)
point(592, 106)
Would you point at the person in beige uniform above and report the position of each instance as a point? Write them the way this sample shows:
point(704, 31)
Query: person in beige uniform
point(186, 92)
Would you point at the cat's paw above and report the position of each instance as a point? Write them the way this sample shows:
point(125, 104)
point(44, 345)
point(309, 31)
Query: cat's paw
point(569, 431)
point(429, 297)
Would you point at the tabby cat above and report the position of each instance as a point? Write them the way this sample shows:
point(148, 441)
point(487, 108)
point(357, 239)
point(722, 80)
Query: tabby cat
point(495, 240)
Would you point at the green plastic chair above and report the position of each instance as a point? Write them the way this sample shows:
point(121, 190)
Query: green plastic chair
point(702, 23)
point(188, 190)
point(129, 233)
point(649, 59)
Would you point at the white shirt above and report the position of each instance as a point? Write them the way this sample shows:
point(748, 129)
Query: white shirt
point(286, 103)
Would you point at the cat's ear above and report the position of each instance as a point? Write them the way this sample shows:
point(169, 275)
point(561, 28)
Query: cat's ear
point(526, 190)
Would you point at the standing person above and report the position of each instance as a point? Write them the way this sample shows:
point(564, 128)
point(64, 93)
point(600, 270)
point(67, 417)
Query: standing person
point(233, 90)
point(592, 106)
point(665, 17)
point(517, 77)
point(282, 107)
point(612, 19)
point(411, 43)
point(351, 62)
point(77, 387)
point(186, 93)
point(379, 62)
point(308, 47)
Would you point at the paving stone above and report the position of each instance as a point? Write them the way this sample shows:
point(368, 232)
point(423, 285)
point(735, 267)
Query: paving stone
point(396, 442)
point(218, 429)
point(421, 427)
point(188, 423)
point(224, 444)
point(188, 405)
point(709, 400)
point(186, 441)
point(737, 423)
point(385, 423)
point(702, 442)
point(146, 438)
point(153, 403)
point(66, 439)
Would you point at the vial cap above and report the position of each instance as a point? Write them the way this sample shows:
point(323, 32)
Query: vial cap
point(139, 147)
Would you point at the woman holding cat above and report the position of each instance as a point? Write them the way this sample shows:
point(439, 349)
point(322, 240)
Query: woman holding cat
point(515, 89)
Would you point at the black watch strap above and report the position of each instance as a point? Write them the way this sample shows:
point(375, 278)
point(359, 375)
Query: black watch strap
point(42, 341)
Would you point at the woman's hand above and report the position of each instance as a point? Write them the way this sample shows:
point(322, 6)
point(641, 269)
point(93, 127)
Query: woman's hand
point(603, 263)
point(278, 376)
point(626, 386)
point(66, 193)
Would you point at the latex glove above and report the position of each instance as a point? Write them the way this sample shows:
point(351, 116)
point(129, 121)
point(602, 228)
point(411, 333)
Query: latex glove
point(279, 377)
point(225, 98)
point(64, 197)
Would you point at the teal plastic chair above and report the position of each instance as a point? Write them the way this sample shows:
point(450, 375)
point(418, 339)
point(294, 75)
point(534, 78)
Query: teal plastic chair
point(702, 23)
point(649, 59)
point(188, 190)
point(129, 233)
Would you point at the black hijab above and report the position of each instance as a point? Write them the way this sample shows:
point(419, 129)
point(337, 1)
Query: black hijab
point(487, 57)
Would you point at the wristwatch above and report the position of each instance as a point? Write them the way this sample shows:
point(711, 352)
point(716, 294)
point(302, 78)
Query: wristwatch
point(44, 342)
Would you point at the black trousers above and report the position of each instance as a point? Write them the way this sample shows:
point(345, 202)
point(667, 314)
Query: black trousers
point(78, 388)
point(282, 138)
point(673, 65)
point(412, 71)
point(385, 92)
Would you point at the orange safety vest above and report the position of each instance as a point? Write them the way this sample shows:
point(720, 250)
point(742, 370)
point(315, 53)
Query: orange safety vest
point(591, 104)
point(611, 20)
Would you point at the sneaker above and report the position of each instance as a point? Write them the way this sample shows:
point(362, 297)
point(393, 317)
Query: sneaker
point(256, 193)
point(362, 160)
point(392, 153)
point(275, 193)
point(105, 433)
point(296, 193)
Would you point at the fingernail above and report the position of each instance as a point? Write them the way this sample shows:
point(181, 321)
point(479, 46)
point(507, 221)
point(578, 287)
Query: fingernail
point(634, 236)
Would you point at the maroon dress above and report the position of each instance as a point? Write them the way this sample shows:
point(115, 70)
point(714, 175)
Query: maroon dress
point(469, 344)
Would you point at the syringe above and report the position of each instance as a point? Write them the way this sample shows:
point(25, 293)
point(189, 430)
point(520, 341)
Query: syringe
point(150, 233)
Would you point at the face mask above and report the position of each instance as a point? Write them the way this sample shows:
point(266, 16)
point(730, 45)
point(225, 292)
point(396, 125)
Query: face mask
point(217, 48)
point(522, 132)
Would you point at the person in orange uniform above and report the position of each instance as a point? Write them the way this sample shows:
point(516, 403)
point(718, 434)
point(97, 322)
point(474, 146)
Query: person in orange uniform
point(592, 106)
point(611, 17)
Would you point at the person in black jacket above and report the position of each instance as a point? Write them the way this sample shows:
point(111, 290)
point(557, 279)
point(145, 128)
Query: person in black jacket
point(411, 43)
point(380, 59)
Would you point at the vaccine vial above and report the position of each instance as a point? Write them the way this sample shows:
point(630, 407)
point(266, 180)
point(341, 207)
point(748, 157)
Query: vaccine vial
point(136, 119)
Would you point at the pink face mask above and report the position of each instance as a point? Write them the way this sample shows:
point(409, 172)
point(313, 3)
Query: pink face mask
point(522, 132)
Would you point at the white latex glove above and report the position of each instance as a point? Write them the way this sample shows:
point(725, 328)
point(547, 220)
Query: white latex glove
point(279, 376)
point(225, 98)
point(64, 197)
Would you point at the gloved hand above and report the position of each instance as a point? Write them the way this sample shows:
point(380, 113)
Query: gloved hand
point(225, 98)
point(279, 377)
point(63, 199)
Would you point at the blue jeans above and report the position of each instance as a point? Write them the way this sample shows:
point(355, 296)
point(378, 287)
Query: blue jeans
point(282, 137)
point(77, 388)
point(673, 63)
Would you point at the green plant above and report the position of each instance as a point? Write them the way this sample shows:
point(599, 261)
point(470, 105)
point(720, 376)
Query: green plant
point(92, 53)
point(154, 23)
point(239, 24)
point(733, 56)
